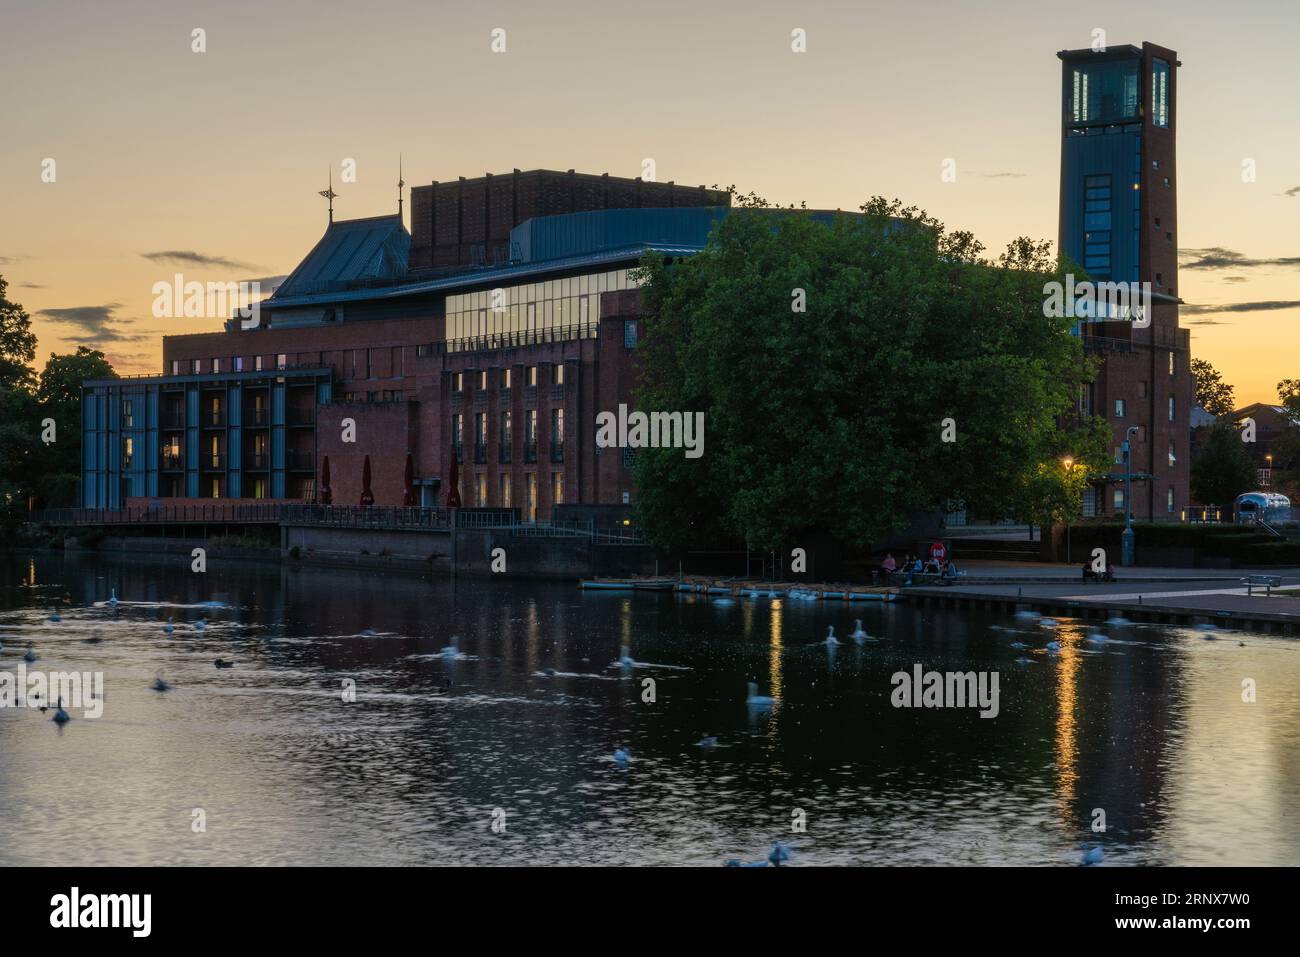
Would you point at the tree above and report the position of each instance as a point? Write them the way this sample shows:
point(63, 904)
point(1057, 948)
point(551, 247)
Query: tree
point(19, 424)
point(59, 395)
point(1223, 469)
point(1212, 394)
point(919, 373)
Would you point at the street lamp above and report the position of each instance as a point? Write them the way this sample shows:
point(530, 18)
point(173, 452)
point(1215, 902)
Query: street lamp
point(1069, 467)
point(1126, 540)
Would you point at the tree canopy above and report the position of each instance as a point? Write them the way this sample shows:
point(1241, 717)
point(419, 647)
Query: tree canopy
point(1212, 394)
point(1222, 469)
point(920, 374)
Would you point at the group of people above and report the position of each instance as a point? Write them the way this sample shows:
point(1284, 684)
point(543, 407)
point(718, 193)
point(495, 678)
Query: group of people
point(914, 565)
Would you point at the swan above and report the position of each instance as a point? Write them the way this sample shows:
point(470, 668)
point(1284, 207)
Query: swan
point(772, 594)
point(1118, 621)
point(169, 627)
point(31, 653)
point(54, 615)
point(1097, 638)
point(778, 854)
point(625, 659)
point(200, 624)
point(1025, 613)
point(1049, 623)
point(858, 634)
point(1022, 660)
point(831, 640)
point(453, 649)
point(622, 756)
point(707, 742)
point(223, 663)
point(61, 716)
point(1018, 645)
point(158, 683)
point(723, 602)
point(756, 700)
point(1092, 854)
point(112, 598)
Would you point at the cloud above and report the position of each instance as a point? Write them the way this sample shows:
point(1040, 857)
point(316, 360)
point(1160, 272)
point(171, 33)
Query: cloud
point(30, 285)
point(1263, 306)
point(1217, 257)
point(186, 257)
point(11, 260)
point(94, 325)
point(1235, 279)
point(1292, 191)
point(1004, 175)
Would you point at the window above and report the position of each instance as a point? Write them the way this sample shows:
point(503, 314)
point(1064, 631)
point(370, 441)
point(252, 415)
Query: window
point(480, 490)
point(629, 333)
point(216, 365)
point(237, 363)
point(1172, 458)
point(1159, 93)
point(557, 374)
point(505, 429)
point(504, 482)
point(1120, 408)
point(1119, 500)
point(259, 488)
point(128, 449)
point(458, 431)
point(530, 427)
point(257, 363)
point(1142, 389)
point(1160, 279)
point(505, 378)
point(557, 427)
point(532, 496)
point(281, 361)
point(1171, 408)
point(557, 489)
point(1169, 501)
point(197, 366)
point(457, 381)
point(128, 419)
point(1096, 224)
point(532, 375)
point(1103, 92)
point(1171, 363)
point(629, 457)
point(482, 379)
point(176, 367)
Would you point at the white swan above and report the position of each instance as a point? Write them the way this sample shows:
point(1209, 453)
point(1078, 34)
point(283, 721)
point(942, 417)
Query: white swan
point(1050, 623)
point(831, 640)
point(451, 650)
point(858, 634)
point(1119, 621)
point(1097, 638)
point(625, 659)
point(707, 742)
point(169, 627)
point(112, 598)
point(756, 700)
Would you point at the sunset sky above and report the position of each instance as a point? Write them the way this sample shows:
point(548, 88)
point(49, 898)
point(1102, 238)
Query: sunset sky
point(209, 163)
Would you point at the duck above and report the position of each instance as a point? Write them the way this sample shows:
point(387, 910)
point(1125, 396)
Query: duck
point(60, 716)
point(622, 757)
point(756, 700)
point(1097, 638)
point(200, 624)
point(223, 663)
point(54, 615)
point(549, 672)
point(169, 627)
point(1092, 854)
point(158, 683)
point(94, 639)
point(778, 854)
point(858, 634)
point(831, 640)
point(31, 653)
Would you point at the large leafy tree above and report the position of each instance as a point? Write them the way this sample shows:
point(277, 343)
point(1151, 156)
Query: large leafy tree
point(59, 395)
point(1212, 394)
point(19, 423)
point(1223, 468)
point(920, 374)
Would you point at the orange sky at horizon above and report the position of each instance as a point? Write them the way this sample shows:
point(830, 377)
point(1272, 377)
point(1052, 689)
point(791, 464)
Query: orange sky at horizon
point(163, 151)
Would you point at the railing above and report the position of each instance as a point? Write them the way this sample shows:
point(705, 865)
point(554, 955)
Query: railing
point(173, 420)
point(158, 514)
point(530, 395)
point(557, 451)
point(299, 459)
point(505, 394)
point(480, 454)
point(172, 460)
point(257, 416)
point(557, 393)
point(504, 453)
point(212, 417)
point(256, 460)
point(367, 516)
point(507, 340)
point(530, 451)
point(211, 460)
point(1106, 344)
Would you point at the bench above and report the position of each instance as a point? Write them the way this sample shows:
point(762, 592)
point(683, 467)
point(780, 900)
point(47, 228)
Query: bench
point(1267, 582)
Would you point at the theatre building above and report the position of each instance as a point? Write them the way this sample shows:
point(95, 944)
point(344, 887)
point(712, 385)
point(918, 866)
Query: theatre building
point(495, 330)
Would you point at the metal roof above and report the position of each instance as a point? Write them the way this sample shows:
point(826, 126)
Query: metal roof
point(371, 248)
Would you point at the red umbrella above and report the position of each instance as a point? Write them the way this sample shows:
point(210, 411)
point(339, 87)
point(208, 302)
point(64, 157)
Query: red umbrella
point(408, 493)
point(324, 496)
point(367, 496)
point(453, 492)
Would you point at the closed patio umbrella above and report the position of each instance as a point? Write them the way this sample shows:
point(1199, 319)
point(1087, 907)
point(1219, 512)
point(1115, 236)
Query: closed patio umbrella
point(453, 490)
point(408, 483)
point(323, 495)
point(367, 496)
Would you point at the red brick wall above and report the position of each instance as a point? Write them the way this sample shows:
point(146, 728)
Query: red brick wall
point(384, 431)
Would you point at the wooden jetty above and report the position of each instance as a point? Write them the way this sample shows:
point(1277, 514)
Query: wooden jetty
point(746, 588)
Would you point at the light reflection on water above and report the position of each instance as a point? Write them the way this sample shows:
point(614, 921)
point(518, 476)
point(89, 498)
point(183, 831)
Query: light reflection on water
point(1149, 727)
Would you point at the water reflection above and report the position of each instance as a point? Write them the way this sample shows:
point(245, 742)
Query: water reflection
point(1149, 726)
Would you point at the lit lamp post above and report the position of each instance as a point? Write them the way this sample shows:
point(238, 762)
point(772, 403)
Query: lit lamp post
point(1269, 458)
point(1126, 540)
point(1069, 468)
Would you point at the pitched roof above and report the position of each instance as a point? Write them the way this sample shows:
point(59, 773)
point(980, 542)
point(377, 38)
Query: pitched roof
point(371, 248)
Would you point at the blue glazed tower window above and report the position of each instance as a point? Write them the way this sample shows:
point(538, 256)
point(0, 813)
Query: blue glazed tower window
point(1159, 93)
point(1096, 224)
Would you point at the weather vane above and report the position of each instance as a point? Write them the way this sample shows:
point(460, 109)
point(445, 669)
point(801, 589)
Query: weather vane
point(400, 183)
point(330, 194)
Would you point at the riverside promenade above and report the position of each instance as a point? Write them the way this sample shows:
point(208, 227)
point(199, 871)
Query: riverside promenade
point(1185, 596)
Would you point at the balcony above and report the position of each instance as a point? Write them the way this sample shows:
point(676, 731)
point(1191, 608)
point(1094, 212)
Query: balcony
point(504, 453)
point(173, 419)
point(212, 418)
point(557, 451)
point(530, 396)
point(301, 417)
point(530, 451)
point(212, 461)
point(300, 460)
point(505, 394)
point(480, 454)
point(457, 401)
point(255, 417)
point(171, 460)
point(256, 460)
point(557, 393)
point(480, 398)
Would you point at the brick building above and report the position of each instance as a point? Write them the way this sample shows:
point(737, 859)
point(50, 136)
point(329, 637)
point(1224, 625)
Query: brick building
point(1119, 223)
